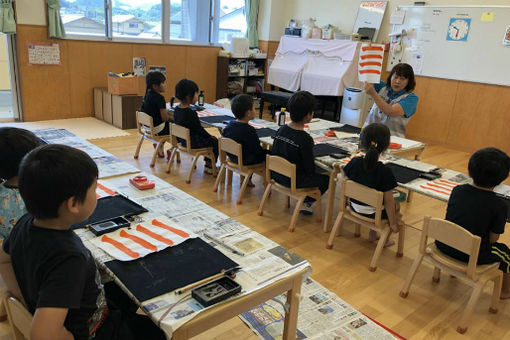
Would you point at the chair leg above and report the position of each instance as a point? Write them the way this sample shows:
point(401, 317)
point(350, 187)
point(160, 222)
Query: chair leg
point(295, 214)
point(378, 250)
point(213, 164)
point(496, 293)
point(318, 209)
point(357, 230)
point(137, 152)
point(243, 188)
point(154, 155)
point(175, 152)
point(401, 238)
point(410, 277)
point(337, 227)
point(437, 275)
point(217, 183)
point(230, 175)
point(192, 168)
point(264, 198)
point(178, 157)
point(477, 290)
point(287, 202)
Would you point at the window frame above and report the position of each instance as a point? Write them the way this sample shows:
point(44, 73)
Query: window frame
point(212, 28)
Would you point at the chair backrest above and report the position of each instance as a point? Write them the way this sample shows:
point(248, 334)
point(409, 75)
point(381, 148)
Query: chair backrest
point(283, 167)
point(180, 132)
point(145, 124)
point(364, 194)
point(453, 235)
point(20, 318)
point(227, 145)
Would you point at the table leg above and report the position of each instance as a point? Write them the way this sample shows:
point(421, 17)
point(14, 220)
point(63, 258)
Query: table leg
point(291, 316)
point(331, 200)
point(261, 108)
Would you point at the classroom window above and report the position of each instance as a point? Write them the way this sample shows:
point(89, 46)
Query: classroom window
point(189, 20)
point(137, 19)
point(231, 22)
point(82, 17)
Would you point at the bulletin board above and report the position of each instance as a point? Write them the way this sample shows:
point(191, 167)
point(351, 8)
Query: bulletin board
point(40, 53)
point(468, 43)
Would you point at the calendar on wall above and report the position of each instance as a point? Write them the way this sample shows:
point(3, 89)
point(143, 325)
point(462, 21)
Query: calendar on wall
point(44, 53)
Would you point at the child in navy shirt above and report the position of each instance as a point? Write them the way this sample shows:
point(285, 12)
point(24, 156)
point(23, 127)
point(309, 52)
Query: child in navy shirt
point(478, 209)
point(370, 172)
point(187, 92)
point(296, 145)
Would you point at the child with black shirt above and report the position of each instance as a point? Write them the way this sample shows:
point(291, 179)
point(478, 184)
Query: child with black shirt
point(187, 92)
point(369, 171)
point(295, 145)
point(46, 264)
point(476, 208)
point(243, 133)
point(14, 145)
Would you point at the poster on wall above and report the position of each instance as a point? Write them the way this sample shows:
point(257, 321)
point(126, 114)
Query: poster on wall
point(506, 38)
point(370, 63)
point(139, 67)
point(40, 53)
point(161, 69)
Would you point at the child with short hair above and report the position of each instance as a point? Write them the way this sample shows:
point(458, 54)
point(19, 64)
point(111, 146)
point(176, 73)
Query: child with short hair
point(476, 208)
point(369, 171)
point(187, 92)
point(14, 145)
point(296, 145)
point(45, 262)
point(243, 133)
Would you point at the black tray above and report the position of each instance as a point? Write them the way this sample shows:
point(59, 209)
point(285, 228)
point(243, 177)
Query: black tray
point(403, 174)
point(324, 149)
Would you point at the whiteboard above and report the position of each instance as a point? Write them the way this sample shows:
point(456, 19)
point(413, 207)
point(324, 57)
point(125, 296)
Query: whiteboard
point(482, 57)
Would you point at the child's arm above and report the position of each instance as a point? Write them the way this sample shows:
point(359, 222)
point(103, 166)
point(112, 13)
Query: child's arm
point(8, 276)
point(306, 147)
point(164, 114)
point(48, 324)
point(195, 125)
point(392, 210)
point(494, 237)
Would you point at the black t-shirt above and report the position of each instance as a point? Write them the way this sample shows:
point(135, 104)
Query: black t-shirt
point(152, 104)
point(246, 135)
point(480, 212)
point(54, 269)
point(189, 119)
point(380, 178)
point(296, 146)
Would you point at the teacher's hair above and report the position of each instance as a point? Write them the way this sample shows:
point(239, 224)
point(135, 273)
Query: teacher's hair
point(406, 71)
point(374, 139)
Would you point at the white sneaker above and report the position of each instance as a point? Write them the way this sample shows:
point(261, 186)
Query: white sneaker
point(307, 208)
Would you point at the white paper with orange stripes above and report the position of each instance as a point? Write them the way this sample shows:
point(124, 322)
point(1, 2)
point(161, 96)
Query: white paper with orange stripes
point(141, 239)
point(370, 63)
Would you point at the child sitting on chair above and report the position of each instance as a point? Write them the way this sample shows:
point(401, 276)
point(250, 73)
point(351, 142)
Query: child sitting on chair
point(187, 93)
point(14, 145)
point(476, 208)
point(370, 172)
point(296, 145)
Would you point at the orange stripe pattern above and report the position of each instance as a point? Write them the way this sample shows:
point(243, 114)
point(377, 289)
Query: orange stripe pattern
point(179, 232)
point(370, 71)
point(138, 240)
point(120, 246)
point(105, 189)
point(372, 48)
point(370, 63)
point(371, 56)
point(155, 236)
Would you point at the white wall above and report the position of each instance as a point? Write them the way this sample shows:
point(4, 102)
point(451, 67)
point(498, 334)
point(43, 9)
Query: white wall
point(31, 12)
point(271, 20)
point(342, 13)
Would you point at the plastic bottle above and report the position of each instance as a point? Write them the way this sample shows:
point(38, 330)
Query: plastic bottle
point(201, 98)
point(281, 117)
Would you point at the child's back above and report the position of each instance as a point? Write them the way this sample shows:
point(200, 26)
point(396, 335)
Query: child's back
point(14, 145)
point(480, 212)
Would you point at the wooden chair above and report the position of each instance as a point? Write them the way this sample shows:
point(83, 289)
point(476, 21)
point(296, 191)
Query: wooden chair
point(178, 131)
point(352, 190)
point(145, 127)
point(475, 275)
point(227, 145)
point(283, 167)
point(19, 318)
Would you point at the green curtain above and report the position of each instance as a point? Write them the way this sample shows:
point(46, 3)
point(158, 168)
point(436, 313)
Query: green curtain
point(7, 23)
point(252, 12)
point(55, 26)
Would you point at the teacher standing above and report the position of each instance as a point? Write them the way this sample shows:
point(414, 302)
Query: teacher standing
point(394, 101)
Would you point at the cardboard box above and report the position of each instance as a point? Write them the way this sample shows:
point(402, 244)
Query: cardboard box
point(118, 86)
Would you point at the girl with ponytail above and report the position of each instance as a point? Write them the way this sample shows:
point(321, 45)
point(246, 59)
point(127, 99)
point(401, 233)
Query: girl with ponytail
point(369, 171)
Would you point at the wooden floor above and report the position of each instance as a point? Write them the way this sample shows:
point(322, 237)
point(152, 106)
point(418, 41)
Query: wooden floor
point(430, 312)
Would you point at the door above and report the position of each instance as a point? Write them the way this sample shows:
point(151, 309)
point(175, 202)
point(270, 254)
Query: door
point(10, 108)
